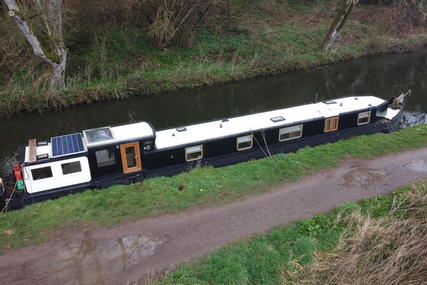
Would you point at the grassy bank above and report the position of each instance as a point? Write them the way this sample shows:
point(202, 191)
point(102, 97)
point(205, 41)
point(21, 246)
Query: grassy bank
point(380, 241)
point(253, 38)
point(206, 186)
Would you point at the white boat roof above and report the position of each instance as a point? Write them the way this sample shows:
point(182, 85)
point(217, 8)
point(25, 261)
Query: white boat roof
point(216, 129)
point(120, 133)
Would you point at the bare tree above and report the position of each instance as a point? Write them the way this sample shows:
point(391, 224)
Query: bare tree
point(48, 41)
point(339, 22)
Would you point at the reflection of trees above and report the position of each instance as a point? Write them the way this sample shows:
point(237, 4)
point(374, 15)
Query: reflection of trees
point(411, 118)
point(92, 261)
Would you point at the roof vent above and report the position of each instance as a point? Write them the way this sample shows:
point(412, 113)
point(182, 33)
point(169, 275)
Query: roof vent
point(277, 119)
point(181, 129)
point(42, 156)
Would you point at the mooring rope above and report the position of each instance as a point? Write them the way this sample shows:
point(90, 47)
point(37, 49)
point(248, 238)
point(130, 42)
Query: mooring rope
point(8, 200)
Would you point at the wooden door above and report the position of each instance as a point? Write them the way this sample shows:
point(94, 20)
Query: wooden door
point(331, 124)
point(131, 157)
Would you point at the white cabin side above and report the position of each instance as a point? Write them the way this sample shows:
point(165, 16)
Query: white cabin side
point(58, 174)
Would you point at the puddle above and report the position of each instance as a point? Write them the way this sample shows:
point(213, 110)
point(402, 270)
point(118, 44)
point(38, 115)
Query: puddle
point(364, 177)
point(417, 165)
point(91, 262)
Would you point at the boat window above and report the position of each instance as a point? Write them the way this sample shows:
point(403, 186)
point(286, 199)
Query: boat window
point(364, 118)
point(244, 143)
point(41, 173)
point(105, 157)
point(290, 133)
point(331, 124)
point(72, 167)
point(329, 102)
point(194, 153)
point(277, 119)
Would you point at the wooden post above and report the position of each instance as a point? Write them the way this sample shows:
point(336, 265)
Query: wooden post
point(32, 150)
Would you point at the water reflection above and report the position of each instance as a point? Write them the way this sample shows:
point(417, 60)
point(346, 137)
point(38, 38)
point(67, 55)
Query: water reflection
point(382, 76)
point(412, 118)
point(92, 262)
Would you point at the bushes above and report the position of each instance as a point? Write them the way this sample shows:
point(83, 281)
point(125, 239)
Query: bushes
point(176, 21)
point(414, 12)
point(389, 250)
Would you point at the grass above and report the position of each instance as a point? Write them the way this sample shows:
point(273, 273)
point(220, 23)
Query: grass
point(203, 186)
point(254, 38)
point(376, 241)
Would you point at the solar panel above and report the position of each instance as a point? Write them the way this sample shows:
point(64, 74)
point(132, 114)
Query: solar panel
point(66, 145)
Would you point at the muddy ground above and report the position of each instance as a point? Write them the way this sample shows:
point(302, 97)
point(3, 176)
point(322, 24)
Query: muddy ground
point(130, 251)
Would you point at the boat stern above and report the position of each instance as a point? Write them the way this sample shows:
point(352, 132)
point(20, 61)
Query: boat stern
point(391, 113)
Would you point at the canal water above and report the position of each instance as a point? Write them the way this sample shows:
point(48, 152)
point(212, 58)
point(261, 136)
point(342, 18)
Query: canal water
point(382, 76)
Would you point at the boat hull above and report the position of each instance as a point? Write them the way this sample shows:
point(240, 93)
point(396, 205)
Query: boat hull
point(261, 151)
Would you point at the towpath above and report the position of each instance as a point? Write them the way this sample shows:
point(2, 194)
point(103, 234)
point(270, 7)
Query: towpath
point(131, 251)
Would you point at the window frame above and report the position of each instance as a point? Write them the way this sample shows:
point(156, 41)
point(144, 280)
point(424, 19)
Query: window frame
point(36, 169)
point(331, 119)
point(68, 163)
point(187, 152)
point(369, 113)
point(245, 148)
point(282, 131)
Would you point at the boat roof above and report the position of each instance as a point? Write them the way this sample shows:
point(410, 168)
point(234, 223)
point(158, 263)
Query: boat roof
point(73, 144)
point(244, 124)
point(113, 135)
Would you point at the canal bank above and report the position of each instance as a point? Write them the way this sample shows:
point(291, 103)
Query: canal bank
point(202, 187)
point(134, 250)
point(259, 38)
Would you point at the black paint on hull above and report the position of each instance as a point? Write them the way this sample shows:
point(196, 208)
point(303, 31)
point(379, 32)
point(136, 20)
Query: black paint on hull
point(381, 125)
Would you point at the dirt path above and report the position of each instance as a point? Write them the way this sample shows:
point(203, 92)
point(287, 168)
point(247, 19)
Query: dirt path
point(130, 251)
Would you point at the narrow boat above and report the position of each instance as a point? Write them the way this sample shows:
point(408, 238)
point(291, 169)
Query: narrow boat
point(124, 154)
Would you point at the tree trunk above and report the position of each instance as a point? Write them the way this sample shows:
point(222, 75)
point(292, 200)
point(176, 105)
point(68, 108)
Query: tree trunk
point(57, 78)
point(339, 23)
point(53, 52)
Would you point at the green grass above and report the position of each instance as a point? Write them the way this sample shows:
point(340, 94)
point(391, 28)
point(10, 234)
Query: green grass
point(203, 186)
point(254, 38)
point(277, 256)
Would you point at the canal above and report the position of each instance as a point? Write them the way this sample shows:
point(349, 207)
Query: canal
point(382, 76)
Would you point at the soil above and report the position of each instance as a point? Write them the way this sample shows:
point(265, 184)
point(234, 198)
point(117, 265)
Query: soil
point(136, 250)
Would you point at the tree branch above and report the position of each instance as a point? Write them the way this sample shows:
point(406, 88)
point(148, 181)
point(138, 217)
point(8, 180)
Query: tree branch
point(15, 12)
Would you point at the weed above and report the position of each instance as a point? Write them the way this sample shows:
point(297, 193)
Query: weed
point(251, 38)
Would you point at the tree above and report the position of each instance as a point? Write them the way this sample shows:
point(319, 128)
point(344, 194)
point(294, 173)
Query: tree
point(40, 22)
point(339, 22)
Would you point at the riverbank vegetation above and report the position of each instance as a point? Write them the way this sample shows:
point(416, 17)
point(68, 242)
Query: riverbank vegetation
point(375, 241)
point(117, 49)
point(201, 187)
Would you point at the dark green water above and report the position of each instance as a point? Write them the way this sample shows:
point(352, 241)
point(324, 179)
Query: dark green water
point(382, 76)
